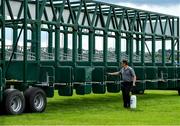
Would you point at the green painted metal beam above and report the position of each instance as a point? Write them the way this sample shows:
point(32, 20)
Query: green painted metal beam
point(118, 47)
point(172, 51)
point(137, 45)
point(25, 44)
point(57, 45)
point(50, 41)
point(33, 46)
point(15, 36)
point(105, 44)
point(127, 43)
point(153, 49)
point(80, 44)
point(143, 49)
point(163, 52)
point(91, 39)
point(65, 43)
point(38, 31)
point(178, 41)
point(74, 55)
point(3, 42)
point(130, 49)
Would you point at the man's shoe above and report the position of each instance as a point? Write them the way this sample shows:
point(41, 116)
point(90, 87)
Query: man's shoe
point(127, 107)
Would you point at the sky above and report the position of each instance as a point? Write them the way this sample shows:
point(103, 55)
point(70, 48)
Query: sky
point(171, 7)
point(156, 2)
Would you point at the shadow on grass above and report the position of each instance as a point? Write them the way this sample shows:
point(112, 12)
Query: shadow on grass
point(80, 102)
point(94, 102)
point(101, 102)
point(157, 95)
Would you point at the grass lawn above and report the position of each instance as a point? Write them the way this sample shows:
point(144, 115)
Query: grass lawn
point(154, 108)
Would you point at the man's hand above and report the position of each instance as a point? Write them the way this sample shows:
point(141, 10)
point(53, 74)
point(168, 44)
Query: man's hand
point(109, 73)
point(134, 81)
point(113, 74)
point(134, 84)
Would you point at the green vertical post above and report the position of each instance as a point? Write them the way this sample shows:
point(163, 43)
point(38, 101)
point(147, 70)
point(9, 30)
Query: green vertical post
point(80, 44)
point(33, 42)
point(15, 35)
point(137, 44)
point(127, 44)
point(178, 53)
point(57, 44)
point(50, 40)
point(1, 86)
point(163, 52)
point(172, 53)
point(131, 49)
point(178, 46)
point(105, 43)
point(3, 41)
point(25, 43)
point(137, 39)
point(65, 43)
point(74, 58)
point(173, 46)
point(94, 44)
point(118, 47)
point(3, 46)
point(91, 38)
point(38, 33)
point(153, 49)
point(142, 49)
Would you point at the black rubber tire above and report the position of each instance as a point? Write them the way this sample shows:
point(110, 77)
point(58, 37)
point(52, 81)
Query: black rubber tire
point(2, 112)
point(30, 95)
point(8, 97)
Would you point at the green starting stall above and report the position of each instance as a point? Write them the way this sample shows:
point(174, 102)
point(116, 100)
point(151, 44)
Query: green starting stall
point(70, 46)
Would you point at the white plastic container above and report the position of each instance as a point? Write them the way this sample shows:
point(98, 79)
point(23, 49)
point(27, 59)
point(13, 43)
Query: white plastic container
point(133, 102)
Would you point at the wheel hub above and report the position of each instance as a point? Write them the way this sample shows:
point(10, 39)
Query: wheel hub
point(16, 104)
point(38, 101)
